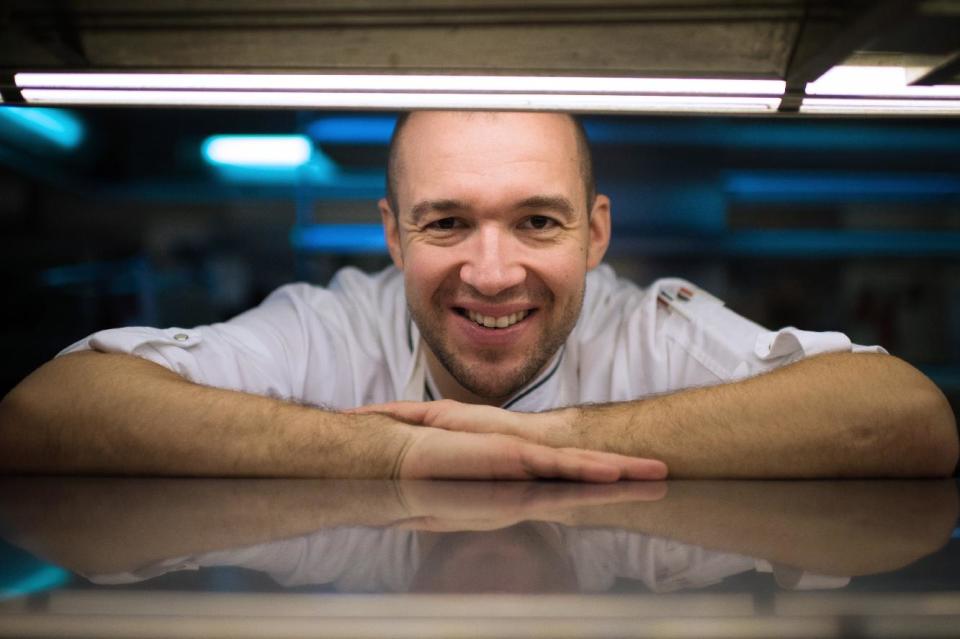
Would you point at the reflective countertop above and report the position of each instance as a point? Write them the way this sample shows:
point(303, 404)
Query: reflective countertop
point(125, 557)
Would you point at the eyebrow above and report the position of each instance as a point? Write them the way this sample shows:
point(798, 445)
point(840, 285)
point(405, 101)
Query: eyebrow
point(555, 203)
point(436, 206)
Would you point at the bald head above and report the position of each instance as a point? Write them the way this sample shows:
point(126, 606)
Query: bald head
point(399, 139)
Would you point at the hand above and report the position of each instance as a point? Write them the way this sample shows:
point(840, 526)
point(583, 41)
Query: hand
point(551, 428)
point(433, 453)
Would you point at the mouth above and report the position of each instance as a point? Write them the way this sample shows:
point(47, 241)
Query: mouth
point(495, 322)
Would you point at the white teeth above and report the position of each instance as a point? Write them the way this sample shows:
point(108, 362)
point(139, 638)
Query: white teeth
point(497, 322)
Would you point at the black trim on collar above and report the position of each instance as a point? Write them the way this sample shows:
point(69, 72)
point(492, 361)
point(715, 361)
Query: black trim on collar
point(538, 384)
point(410, 332)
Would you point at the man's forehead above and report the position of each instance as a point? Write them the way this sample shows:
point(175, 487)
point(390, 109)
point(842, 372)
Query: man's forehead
point(436, 141)
point(443, 126)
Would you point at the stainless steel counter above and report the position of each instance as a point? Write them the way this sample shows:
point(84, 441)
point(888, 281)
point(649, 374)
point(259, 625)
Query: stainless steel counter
point(101, 557)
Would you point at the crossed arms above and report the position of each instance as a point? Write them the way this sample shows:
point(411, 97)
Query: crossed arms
point(838, 415)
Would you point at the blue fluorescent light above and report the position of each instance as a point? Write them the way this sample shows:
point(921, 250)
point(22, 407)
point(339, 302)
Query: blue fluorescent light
point(339, 238)
point(258, 151)
point(361, 129)
point(814, 243)
point(803, 186)
point(800, 244)
point(269, 159)
point(56, 126)
point(768, 134)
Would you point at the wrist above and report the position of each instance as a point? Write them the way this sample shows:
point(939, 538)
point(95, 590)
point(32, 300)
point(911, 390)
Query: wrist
point(562, 428)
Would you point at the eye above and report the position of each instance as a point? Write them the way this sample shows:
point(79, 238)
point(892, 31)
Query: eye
point(443, 224)
point(539, 222)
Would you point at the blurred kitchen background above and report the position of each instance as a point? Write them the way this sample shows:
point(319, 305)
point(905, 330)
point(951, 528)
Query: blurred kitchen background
point(120, 215)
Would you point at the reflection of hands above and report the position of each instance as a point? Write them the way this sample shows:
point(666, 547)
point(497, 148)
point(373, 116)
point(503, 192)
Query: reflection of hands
point(513, 445)
point(455, 506)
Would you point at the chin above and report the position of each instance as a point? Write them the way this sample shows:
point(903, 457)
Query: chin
point(479, 379)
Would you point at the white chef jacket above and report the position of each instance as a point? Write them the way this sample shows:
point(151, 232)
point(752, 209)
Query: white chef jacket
point(354, 343)
point(372, 560)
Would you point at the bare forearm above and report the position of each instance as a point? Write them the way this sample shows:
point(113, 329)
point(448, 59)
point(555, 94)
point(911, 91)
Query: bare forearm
point(850, 415)
point(117, 414)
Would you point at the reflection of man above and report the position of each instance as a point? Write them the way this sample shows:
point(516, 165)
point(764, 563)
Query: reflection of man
point(530, 557)
point(498, 299)
point(435, 536)
point(372, 536)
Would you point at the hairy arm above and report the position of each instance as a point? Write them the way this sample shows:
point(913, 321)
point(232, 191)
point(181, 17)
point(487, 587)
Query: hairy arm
point(99, 413)
point(95, 413)
point(836, 415)
point(839, 415)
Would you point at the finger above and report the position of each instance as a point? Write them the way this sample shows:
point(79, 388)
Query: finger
point(637, 468)
point(409, 412)
point(541, 461)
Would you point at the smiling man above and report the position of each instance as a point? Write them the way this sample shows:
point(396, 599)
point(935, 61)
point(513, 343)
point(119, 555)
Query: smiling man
point(515, 195)
point(498, 347)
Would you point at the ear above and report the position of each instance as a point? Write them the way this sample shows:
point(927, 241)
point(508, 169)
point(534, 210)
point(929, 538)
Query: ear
point(391, 232)
point(599, 231)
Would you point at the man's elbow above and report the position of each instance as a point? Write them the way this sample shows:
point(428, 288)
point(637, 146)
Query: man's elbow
point(928, 432)
point(13, 409)
point(942, 434)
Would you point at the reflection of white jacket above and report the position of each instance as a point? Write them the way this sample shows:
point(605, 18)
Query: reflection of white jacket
point(371, 560)
point(354, 344)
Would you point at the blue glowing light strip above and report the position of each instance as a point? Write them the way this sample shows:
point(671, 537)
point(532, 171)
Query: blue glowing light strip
point(257, 151)
point(56, 126)
point(803, 186)
point(360, 130)
point(339, 238)
point(799, 244)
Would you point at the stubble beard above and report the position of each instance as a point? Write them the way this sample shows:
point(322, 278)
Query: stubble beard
point(478, 379)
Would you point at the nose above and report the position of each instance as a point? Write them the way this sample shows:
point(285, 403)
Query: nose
point(491, 264)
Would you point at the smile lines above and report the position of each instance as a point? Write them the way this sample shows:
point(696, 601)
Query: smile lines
point(495, 322)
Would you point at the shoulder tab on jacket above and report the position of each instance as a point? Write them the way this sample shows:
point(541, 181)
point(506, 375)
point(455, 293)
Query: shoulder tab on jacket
point(687, 300)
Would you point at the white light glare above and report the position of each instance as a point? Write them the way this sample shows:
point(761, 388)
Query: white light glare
point(258, 150)
point(396, 83)
point(864, 81)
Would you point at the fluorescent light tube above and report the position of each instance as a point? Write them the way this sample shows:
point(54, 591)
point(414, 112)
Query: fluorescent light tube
point(864, 81)
point(403, 91)
point(880, 106)
point(353, 100)
point(397, 83)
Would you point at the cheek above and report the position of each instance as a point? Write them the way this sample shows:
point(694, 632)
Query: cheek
point(425, 270)
point(563, 270)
